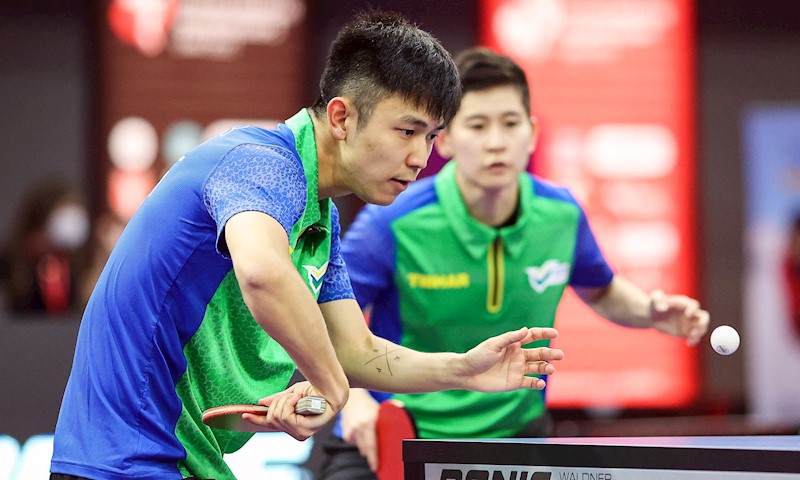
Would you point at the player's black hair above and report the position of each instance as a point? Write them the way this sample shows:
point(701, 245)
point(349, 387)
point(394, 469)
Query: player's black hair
point(481, 69)
point(381, 54)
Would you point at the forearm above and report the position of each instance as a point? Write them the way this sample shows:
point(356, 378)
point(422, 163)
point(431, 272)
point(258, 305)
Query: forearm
point(392, 368)
point(378, 364)
point(281, 303)
point(289, 313)
point(621, 302)
point(497, 364)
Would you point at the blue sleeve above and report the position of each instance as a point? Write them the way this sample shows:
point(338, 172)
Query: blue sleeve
point(262, 178)
point(591, 268)
point(336, 284)
point(369, 249)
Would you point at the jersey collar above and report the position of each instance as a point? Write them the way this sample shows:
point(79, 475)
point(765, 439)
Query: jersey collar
point(474, 235)
point(317, 211)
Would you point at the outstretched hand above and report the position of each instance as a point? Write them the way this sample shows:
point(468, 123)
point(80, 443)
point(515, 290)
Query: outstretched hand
point(678, 315)
point(500, 363)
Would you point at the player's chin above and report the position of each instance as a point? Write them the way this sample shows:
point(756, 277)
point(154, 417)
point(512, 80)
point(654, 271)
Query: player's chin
point(379, 197)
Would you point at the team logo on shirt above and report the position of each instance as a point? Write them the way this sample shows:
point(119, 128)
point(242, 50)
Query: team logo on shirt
point(314, 276)
point(551, 273)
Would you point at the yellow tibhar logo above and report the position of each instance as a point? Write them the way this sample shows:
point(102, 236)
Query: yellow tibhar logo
point(447, 281)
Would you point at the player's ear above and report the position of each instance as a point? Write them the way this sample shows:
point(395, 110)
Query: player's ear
point(534, 133)
point(340, 110)
point(443, 145)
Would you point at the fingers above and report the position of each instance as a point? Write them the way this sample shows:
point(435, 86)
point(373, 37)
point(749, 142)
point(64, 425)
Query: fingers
point(372, 459)
point(543, 354)
point(366, 440)
point(272, 421)
point(303, 388)
point(662, 303)
point(368, 447)
point(536, 360)
point(359, 429)
point(658, 301)
point(539, 333)
point(281, 416)
point(539, 368)
point(523, 336)
point(533, 383)
point(688, 311)
point(506, 339)
point(698, 327)
point(536, 363)
point(679, 315)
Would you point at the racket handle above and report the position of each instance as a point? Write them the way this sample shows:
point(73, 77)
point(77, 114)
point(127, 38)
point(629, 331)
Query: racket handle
point(311, 405)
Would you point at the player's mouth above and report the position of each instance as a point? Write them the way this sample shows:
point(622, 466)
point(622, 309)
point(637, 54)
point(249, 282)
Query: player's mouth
point(400, 185)
point(497, 167)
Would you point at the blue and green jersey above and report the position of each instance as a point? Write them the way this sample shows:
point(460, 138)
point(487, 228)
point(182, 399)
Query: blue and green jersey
point(166, 333)
point(435, 279)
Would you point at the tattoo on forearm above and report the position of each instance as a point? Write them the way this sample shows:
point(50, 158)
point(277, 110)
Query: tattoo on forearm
point(386, 356)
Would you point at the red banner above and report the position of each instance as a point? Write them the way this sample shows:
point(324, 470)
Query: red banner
point(613, 84)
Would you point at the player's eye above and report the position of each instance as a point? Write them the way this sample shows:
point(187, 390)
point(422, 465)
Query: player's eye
point(407, 132)
point(433, 135)
point(476, 126)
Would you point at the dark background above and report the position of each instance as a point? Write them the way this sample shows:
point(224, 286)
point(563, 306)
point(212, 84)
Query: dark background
point(747, 51)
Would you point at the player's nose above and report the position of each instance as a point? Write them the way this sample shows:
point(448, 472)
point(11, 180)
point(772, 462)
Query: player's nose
point(495, 138)
point(418, 157)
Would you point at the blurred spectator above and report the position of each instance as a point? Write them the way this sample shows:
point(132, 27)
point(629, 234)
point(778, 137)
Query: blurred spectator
point(44, 256)
point(791, 270)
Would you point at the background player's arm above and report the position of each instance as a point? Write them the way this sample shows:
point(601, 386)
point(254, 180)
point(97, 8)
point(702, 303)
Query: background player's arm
point(281, 303)
point(622, 302)
point(497, 364)
point(359, 420)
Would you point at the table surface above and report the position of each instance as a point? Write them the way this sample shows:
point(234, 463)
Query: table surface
point(777, 454)
point(758, 442)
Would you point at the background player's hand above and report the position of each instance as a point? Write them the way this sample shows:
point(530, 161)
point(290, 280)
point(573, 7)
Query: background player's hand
point(281, 416)
point(678, 315)
point(501, 364)
point(359, 425)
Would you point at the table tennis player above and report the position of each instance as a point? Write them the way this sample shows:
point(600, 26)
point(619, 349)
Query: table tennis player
point(230, 275)
point(478, 249)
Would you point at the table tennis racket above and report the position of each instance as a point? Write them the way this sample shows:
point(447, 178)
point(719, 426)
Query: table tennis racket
point(394, 425)
point(229, 417)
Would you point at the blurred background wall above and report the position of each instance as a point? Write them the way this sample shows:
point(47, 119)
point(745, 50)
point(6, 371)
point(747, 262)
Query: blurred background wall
point(748, 54)
point(45, 80)
point(60, 93)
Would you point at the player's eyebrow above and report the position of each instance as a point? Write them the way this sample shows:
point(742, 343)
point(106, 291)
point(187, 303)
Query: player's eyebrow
point(482, 116)
point(412, 119)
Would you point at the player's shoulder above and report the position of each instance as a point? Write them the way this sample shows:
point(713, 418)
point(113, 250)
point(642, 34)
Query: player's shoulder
point(247, 141)
point(547, 189)
point(276, 146)
point(279, 133)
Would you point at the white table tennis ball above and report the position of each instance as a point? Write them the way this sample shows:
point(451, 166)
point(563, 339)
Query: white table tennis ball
point(725, 340)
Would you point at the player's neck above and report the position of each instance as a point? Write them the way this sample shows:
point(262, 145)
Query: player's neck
point(327, 159)
point(492, 207)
